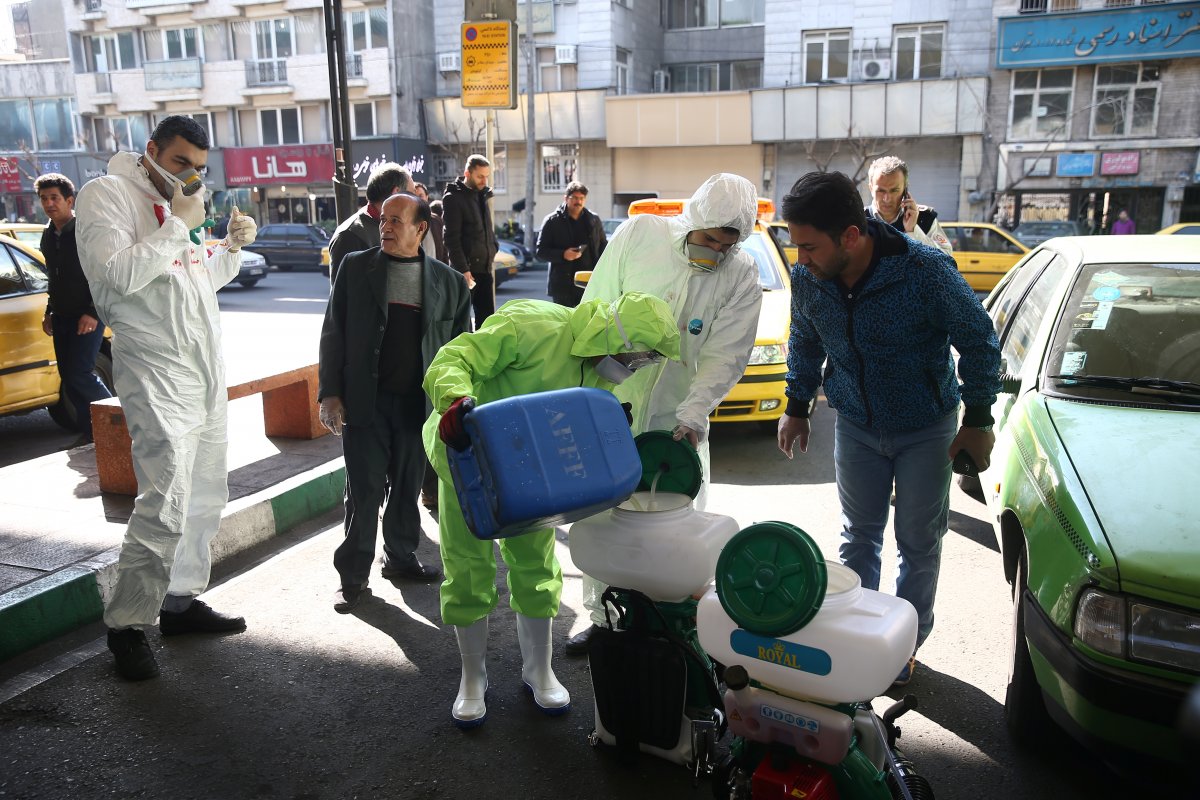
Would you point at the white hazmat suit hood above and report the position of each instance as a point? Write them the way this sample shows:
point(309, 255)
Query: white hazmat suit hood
point(157, 291)
point(717, 312)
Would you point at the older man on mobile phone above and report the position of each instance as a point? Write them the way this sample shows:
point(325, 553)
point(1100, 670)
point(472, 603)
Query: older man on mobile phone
point(892, 203)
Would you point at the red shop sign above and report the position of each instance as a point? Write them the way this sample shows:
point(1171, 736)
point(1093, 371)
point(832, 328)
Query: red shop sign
point(10, 175)
point(270, 166)
point(1120, 163)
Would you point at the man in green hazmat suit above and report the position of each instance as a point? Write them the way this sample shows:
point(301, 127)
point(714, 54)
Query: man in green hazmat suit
point(528, 346)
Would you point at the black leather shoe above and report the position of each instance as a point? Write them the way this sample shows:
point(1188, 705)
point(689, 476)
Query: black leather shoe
point(135, 659)
point(413, 570)
point(346, 598)
point(198, 618)
point(429, 499)
point(577, 645)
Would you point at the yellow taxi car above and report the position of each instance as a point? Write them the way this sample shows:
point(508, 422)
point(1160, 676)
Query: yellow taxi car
point(28, 232)
point(759, 395)
point(504, 266)
point(983, 252)
point(790, 251)
point(1181, 229)
point(28, 369)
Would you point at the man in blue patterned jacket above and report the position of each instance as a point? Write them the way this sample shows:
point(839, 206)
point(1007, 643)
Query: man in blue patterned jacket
point(881, 312)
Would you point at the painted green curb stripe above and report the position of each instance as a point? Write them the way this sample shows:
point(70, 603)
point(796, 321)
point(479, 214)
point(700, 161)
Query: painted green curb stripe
point(47, 608)
point(311, 499)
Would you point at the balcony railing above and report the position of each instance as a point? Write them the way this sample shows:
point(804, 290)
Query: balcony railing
point(103, 83)
point(354, 68)
point(92, 5)
point(267, 72)
point(182, 73)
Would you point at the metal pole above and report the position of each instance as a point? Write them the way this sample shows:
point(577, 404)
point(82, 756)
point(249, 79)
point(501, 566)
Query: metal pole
point(345, 192)
point(530, 137)
point(490, 155)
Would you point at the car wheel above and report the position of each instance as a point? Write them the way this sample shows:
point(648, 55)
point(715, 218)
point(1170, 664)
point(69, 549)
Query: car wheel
point(63, 412)
point(104, 369)
point(1025, 712)
point(249, 284)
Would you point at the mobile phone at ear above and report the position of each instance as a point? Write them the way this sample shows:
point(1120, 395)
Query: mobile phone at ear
point(581, 247)
point(905, 195)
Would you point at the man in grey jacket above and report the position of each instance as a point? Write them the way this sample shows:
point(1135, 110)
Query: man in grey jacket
point(392, 308)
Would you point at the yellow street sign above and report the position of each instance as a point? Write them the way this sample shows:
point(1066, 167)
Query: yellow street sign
point(489, 75)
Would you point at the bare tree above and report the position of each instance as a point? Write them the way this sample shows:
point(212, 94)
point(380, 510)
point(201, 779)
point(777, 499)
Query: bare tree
point(861, 151)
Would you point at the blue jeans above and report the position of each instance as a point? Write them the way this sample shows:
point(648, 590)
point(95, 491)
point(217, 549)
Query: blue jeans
point(867, 462)
point(76, 355)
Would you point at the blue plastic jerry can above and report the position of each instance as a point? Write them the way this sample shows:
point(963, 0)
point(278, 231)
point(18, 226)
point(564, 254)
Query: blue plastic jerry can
point(543, 459)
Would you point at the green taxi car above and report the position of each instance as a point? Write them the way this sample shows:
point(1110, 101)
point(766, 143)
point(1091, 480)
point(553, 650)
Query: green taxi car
point(1091, 485)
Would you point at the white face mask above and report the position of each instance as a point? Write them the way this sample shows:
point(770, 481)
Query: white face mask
point(703, 259)
point(613, 371)
point(189, 179)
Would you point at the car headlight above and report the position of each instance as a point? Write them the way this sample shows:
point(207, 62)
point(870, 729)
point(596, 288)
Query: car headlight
point(768, 354)
point(1111, 624)
point(1164, 636)
point(1100, 622)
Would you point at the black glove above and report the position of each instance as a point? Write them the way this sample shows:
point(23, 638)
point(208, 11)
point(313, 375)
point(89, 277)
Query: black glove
point(450, 427)
point(628, 409)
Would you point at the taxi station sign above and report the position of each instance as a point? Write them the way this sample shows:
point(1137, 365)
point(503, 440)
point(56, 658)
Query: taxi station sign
point(489, 70)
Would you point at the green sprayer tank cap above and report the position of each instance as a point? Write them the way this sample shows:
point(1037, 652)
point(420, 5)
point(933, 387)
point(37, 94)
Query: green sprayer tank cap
point(771, 578)
point(677, 464)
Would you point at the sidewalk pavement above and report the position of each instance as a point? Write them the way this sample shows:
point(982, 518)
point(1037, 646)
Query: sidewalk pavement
point(60, 536)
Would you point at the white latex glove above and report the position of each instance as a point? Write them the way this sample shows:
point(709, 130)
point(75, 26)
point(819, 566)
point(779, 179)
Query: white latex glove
point(188, 209)
point(243, 230)
point(332, 415)
point(693, 436)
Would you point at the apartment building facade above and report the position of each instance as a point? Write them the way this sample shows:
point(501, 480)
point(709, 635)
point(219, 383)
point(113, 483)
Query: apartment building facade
point(656, 95)
point(1096, 111)
point(253, 74)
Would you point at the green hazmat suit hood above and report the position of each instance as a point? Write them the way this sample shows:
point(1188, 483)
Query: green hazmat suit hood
point(645, 320)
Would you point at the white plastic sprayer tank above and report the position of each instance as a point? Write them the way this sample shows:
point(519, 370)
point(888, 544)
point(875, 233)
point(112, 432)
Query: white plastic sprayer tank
point(655, 542)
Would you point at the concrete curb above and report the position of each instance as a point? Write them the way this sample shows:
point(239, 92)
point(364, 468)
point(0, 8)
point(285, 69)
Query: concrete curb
point(74, 596)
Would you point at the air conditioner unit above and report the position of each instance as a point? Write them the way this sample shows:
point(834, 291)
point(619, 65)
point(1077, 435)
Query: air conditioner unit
point(449, 62)
point(565, 54)
point(876, 69)
point(662, 81)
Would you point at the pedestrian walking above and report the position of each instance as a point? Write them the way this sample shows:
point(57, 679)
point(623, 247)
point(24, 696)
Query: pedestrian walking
point(892, 202)
point(360, 230)
point(469, 234)
point(572, 239)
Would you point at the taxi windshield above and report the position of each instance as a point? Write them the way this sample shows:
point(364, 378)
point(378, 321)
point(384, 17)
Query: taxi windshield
point(761, 249)
point(1130, 329)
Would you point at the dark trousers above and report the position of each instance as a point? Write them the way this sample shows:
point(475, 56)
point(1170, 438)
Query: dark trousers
point(76, 356)
point(385, 463)
point(483, 297)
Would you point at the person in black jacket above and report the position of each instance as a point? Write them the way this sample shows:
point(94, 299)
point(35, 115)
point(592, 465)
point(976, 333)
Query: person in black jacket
point(71, 316)
point(392, 308)
point(572, 239)
point(469, 234)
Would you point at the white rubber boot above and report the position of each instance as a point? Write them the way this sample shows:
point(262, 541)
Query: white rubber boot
point(534, 635)
point(469, 708)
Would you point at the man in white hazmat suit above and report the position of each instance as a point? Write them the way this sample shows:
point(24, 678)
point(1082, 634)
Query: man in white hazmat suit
point(155, 285)
point(694, 263)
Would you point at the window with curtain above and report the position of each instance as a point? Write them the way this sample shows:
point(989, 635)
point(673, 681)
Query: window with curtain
point(1125, 102)
point(279, 126)
point(826, 56)
point(53, 123)
point(1040, 103)
point(919, 51)
point(16, 125)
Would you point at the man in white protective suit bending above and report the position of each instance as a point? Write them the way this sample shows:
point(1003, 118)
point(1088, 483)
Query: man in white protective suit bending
point(694, 263)
point(156, 286)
